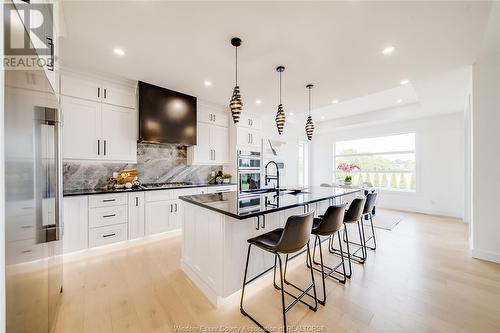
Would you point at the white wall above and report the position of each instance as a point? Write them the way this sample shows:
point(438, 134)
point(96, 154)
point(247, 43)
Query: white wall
point(439, 162)
point(485, 144)
point(292, 134)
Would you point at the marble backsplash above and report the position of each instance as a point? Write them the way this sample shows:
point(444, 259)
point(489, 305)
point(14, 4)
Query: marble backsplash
point(155, 164)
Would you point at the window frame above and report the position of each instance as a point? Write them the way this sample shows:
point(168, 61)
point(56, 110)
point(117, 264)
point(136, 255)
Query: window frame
point(415, 171)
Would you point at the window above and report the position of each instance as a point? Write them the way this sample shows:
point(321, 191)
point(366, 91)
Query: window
point(303, 171)
point(386, 162)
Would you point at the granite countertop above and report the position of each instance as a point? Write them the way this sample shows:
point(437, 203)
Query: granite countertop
point(104, 190)
point(243, 207)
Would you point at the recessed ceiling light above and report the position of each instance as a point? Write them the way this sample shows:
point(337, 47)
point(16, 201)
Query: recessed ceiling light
point(335, 101)
point(322, 117)
point(403, 82)
point(399, 101)
point(118, 51)
point(207, 83)
point(291, 113)
point(258, 101)
point(388, 50)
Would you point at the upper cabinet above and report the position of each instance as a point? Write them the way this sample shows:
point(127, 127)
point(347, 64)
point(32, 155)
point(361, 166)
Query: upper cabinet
point(212, 137)
point(250, 121)
point(99, 120)
point(99, 91)
point(248, 132)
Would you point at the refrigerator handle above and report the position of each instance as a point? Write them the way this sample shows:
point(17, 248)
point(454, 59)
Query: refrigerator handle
point(59, 176)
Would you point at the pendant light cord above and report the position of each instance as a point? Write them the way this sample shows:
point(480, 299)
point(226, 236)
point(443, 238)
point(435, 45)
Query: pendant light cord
point(309, 101)
point(280, 87)
point(236, 48)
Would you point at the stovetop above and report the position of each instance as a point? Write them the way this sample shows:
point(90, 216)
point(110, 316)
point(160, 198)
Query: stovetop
point(165, 185)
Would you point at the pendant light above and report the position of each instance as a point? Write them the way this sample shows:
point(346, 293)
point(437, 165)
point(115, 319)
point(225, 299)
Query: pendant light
point(309, 122)
point(236, 104)
point(280, 115)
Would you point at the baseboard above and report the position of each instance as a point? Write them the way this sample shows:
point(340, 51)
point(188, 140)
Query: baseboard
point(486, 255)
point(422, 211)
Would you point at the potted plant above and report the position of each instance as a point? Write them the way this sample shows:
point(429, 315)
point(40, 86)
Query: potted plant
point(226, 178)
point(348, 168)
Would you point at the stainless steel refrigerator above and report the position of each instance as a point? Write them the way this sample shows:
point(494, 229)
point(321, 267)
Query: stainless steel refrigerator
point(33, 200)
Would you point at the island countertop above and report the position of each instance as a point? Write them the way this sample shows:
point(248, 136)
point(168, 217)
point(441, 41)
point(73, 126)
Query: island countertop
point(243, 207)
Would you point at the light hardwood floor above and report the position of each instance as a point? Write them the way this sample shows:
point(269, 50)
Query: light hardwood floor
point(420, 279)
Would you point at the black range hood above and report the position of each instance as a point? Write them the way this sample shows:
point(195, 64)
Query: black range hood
point(166, 116)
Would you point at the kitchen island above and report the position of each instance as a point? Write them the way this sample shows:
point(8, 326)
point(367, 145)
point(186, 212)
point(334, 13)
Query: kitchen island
point(216, 228)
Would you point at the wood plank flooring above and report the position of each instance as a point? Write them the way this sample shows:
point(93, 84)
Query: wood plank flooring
point(420, 279)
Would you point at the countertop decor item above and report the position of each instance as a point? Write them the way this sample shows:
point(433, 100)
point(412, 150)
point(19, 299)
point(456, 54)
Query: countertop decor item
point(219, 177)
point(280, 115)
point(348, 168)
point(226, 178)
point(309, 122)
point(236, 105)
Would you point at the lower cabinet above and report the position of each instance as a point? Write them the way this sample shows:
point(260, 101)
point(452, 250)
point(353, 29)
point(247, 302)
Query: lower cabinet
point(76, 223)
point(162, 216)
point(136, 211)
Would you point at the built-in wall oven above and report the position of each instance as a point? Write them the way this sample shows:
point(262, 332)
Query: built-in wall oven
point(249, 170)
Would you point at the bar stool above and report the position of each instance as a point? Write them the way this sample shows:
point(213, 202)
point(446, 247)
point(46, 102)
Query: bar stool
point(328, 225)
point(371, 199)
point(288, 240)
point(353, 215)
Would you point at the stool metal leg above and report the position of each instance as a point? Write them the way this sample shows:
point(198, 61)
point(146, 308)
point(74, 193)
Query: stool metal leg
point(372, 237)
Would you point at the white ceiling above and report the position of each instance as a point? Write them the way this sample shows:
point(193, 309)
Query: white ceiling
point(334, 45)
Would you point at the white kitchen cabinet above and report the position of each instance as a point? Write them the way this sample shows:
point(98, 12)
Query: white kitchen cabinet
point(81, 128)
point(211, 116)
point(118, 133)
point(107, 235)
point(75, 222)
point(222, 189)
point(248, 137)
point(97, 131)
point(80, 87)
point(158, 216)
point(136, 211)
point(250, 121)
point(212, 145)
point(219, 143)
point(96, 90)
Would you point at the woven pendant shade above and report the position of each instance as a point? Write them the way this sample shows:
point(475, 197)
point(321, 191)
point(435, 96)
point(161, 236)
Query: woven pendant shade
point(236, 105)
point(280, 119)
point(309, 128)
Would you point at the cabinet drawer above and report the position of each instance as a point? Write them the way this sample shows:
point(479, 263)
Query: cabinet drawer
point(107, 235)
point(21, 227)
point(185, 191)
point(23, 251)
point(101, 216)
point(159, 195)
point(105, 200)
point(221, 189)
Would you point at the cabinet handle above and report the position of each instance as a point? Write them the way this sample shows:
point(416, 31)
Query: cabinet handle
point(210, 118)
point(50, 42)
point(214, 154)
point(109, 235)
point(98, 92)
point(249, 122)
point(104, 144)
point(136, 201)
point(108, 200)
point(171, 208)
point(98, 147)
point(214, 117)
point(104, 92)
point(176, 208)
point(110, 215)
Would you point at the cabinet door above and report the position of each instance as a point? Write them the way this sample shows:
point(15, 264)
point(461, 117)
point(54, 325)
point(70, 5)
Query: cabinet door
point(118, 133)
point(250, 121)
point(135, 215)
point(157, 216)
point(219, 143)
point(201, 153)
point(212, 116)
point(75, 86)
point(75, 221)
point(175, 219)
point(81, 128)
point(255, 138)
point(119, 95)
point(242, 136)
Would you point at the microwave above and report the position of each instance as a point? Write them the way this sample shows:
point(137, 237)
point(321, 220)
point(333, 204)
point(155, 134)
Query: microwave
point(248, 160)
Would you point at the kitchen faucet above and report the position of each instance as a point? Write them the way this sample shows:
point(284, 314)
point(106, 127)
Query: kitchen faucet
point(268, 177)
